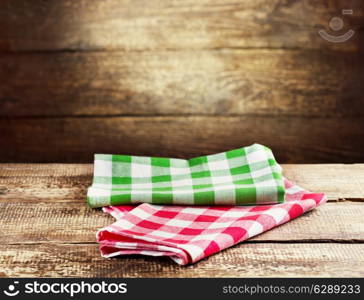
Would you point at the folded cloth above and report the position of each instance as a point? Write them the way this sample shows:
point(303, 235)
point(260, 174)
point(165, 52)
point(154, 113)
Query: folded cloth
point(189, 234)
point(242, 176)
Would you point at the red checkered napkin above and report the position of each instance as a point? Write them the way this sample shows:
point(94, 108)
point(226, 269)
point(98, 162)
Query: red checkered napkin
point(188, 234)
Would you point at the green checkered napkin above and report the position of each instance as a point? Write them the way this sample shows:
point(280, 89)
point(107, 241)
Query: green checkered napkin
point(244, 176)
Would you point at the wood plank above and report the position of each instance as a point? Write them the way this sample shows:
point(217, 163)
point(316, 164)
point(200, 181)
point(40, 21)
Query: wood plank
point(245, 260)
point(40, 183)
point(277, 83)
point(55, 239)
point(151, 24)
point(27, 223)
point(292, 139)
point(337, 181)
point(68, 182)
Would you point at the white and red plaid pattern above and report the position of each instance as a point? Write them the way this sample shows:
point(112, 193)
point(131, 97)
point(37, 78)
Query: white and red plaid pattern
point(189, 234)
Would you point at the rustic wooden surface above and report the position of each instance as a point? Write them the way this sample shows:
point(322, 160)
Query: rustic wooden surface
point(73, 25)
point(263, 82)
point(47, 230)
point(185, 77)
point(296, 139)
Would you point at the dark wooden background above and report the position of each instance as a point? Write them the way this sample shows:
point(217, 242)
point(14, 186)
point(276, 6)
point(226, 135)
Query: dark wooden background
point(179, 78)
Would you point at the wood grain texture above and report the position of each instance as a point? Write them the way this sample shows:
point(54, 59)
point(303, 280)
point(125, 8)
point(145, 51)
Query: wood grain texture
point(67, 183)
point(177, 79)
point(292, 139)
point(48, 231)
point(69, 59)
point(337, 181)
point(300, 83)
point(244, 260)
point(34, 223)
point(171, 24)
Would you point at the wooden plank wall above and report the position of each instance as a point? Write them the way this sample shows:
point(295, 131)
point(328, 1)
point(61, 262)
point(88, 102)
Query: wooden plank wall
point(179, 78)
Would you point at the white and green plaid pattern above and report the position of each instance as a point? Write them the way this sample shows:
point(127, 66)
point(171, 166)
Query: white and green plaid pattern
point(244, 176)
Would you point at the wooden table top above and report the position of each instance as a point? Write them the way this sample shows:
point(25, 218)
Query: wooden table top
point(47, 230)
